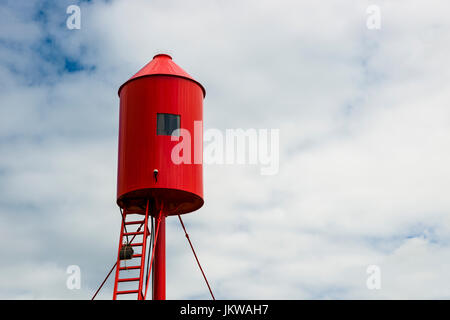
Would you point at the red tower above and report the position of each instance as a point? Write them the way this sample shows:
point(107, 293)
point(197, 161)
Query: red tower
point(154, 103)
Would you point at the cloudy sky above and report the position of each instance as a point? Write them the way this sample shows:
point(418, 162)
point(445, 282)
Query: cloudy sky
point(364, 120)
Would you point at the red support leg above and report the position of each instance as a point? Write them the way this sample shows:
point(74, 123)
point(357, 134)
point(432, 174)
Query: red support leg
point(159, 271)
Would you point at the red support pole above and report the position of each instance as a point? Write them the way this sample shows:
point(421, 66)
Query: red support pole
point(159, 271)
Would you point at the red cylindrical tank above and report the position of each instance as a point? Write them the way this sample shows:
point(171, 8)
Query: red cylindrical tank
point(158, 99)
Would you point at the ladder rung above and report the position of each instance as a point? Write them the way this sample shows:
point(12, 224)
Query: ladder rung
point(133, 233)
point(135, 244)
point(130, 268)
point(128, 279)
point(134, 222)
point(127, 291)
point(137, 255)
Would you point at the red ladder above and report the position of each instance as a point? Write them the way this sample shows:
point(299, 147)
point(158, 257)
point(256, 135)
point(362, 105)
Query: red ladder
point(121, 267)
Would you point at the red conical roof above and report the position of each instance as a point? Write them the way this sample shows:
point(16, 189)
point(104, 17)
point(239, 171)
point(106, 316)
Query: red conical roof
point(162, 64)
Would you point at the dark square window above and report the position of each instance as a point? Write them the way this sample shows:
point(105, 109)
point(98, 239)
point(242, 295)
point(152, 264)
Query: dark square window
point(166, 123)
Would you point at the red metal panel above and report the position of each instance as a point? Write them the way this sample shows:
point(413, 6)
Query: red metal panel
point(160, 87)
